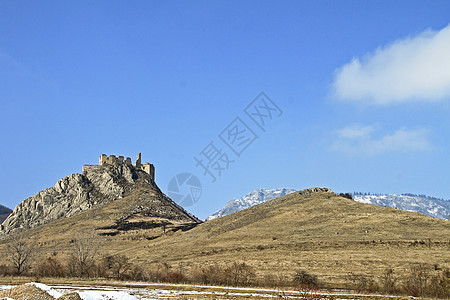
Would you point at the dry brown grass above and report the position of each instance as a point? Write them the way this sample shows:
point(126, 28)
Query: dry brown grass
point(327, 235)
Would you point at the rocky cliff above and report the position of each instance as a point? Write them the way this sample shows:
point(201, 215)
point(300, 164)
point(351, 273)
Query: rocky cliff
point(96, 186)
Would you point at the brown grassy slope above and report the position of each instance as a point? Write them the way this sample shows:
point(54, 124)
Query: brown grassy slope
point(142, 206)
point(320, 232)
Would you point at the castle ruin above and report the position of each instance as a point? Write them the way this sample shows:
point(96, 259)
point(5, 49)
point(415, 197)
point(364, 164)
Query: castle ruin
point(118, 160)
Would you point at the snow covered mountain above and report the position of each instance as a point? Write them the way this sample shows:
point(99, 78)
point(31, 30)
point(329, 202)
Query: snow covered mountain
point(256, 197)
point(430, 206)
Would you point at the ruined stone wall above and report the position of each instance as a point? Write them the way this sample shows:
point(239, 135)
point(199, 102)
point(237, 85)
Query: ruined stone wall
point(138, 161)
point(102, 160)
point(149, 169)
point(115, 161)
point(87, 168)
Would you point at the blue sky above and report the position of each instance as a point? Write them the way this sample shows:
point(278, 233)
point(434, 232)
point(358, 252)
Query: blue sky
point(364, 87)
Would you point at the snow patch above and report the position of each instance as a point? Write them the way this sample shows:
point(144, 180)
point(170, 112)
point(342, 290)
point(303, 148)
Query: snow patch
point(106, 295)
point(47, 289)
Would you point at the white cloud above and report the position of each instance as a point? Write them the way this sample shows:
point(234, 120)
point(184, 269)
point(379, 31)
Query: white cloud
point(358, 139)
point(356, 131)
point(411, 69)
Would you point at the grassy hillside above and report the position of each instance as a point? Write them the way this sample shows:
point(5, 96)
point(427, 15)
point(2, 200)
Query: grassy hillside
point(320, 232)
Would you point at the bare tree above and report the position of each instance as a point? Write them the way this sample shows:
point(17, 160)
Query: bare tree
point(20, 254)
point(119, 265)
point(84, 252)
point(240, 273)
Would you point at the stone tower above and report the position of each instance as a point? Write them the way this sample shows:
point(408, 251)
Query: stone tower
point(138, 161)
point(103, 159)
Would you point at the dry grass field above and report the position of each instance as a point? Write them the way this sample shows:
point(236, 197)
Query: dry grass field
point(325, 234)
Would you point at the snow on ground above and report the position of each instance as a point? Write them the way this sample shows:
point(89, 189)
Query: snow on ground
point(86, 293)
point(148, 293)
point(97, 293)
point(103, 295)
point(156, 291)
point(46, 288)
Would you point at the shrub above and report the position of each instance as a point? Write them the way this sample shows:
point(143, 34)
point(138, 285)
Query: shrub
point(175, 277)
point(387, 281)
point(363, 283)
point(100, 269)
point(278, 281)
point(421, 282)
point(417, 281)
point(118, 265)
point(302, 277)
point(137, 273)
point(239, 274)
point(234, 274)
point(346, 195)
point(6, 270)
point(50, 267)
point(213, 274)
point(440, 285)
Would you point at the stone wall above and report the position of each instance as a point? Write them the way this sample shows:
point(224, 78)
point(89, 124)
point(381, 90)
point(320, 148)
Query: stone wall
point(116, 161)
point(149, 169)
point(87, 168)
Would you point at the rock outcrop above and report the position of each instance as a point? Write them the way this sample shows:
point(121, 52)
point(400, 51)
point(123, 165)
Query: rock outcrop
point(97, 185)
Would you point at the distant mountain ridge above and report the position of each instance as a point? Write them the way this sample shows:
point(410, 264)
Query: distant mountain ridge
point(433, 207)
point(253, 198)
point(4, 213)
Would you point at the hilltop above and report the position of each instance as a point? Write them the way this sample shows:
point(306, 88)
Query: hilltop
point(430, 206)
point(98, 186)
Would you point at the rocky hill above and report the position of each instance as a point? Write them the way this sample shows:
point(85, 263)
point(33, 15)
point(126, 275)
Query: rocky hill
point(253, 198)
point(96, 186)
point(4, 213)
